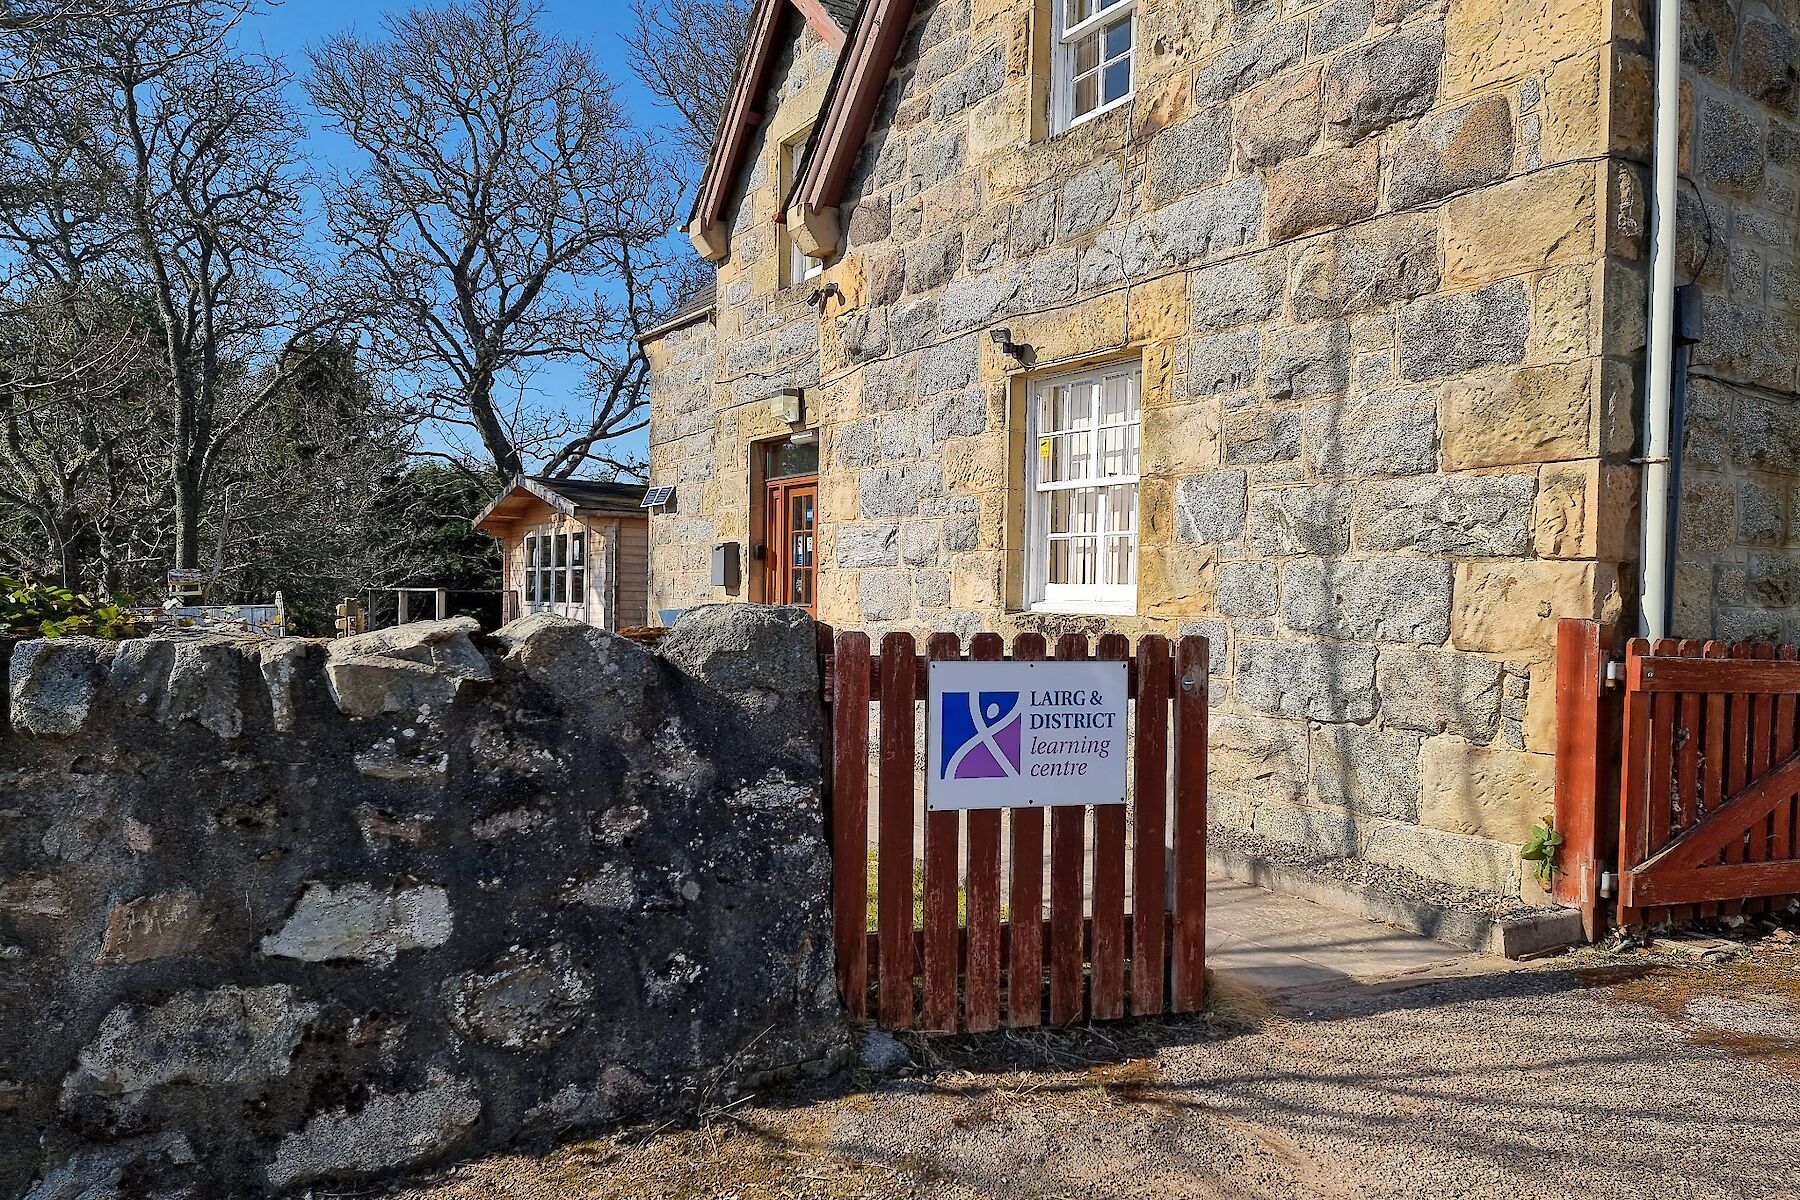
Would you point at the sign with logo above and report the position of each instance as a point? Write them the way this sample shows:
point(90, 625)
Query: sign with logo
point(1025, 734)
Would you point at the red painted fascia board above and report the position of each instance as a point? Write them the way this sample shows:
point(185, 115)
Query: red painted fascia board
point(822, 23)
point(741, 116)
point(852, 104)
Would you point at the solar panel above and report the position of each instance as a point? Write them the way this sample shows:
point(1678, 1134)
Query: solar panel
point(658, 497)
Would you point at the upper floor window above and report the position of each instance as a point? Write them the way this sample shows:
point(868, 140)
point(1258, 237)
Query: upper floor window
point(1082, 491)
point(1093, 47)
point(796, 265)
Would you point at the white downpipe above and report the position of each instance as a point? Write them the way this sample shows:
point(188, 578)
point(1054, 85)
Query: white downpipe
point(1653, 589)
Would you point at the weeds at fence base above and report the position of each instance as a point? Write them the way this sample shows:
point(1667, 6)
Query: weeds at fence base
point(1232, 1008)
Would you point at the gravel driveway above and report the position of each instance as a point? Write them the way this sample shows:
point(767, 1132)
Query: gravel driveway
point(1591, 1076)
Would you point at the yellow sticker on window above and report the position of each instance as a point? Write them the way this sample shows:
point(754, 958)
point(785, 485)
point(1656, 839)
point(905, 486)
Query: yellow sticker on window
point(1043, 447)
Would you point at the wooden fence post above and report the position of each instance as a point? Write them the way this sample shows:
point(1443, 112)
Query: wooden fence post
point(850, 818)
point(1583, 812)
point(1187, 986)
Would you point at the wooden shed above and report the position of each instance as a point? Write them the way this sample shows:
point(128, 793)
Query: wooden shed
point(575, 547)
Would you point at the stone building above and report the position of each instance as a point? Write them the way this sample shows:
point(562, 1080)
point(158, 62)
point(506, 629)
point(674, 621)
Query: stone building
point(1317, 328)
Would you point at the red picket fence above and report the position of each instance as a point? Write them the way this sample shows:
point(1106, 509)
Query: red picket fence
point(1149, 960)
point(1705, 808)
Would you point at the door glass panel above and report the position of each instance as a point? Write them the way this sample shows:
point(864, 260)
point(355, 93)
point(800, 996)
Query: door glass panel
point(577, 587)
point(562, 550)
point(802, 588)
point(578, 549)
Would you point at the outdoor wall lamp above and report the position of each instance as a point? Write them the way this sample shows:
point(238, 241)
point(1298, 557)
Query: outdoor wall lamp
point(1022, 354)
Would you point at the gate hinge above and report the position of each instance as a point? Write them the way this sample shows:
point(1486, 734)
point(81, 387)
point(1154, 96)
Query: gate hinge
point(1614, 673)
point(1609, 885)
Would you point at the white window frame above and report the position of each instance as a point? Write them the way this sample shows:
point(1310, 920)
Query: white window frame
point(797, 266)
point(1108, 596)
point(1063, 41)
point(540, 570)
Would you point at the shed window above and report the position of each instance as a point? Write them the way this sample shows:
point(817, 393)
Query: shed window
point(1094, 42)
point(555, 568)
point(1082, 485)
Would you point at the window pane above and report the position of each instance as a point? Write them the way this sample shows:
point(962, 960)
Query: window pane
point(785, 459)
point(578, 549)
point(1087, 95)
point(1074, 511)
point(1121, 561)
point(1118, 81)
point(1115, 400)
point(562, 550)
point(577, 587)
point(561, 584)
point(530, 551)
point(1118, 38)
point(1077, 11)
point(1074, 561)
point(531, 586)
point(1121, 509)
point(1087, 54)
point(1118, 451)
point(1071, 405)
point(1068, 460)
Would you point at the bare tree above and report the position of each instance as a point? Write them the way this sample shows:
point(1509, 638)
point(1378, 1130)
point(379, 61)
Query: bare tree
point(74, 438)
point(686, 52)
point(23, 23)
point(504, 216)
point(147, 149)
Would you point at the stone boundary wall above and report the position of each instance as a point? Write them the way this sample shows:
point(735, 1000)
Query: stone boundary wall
point(279, 915)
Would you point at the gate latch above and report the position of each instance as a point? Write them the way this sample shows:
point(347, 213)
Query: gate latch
point(1192, 682)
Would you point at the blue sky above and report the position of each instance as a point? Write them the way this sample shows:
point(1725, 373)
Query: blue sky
point(286, 30)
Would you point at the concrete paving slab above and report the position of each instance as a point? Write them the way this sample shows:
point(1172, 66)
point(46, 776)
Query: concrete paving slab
point(1275, 943)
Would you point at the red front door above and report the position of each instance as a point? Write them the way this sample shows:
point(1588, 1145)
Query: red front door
point(791, 509)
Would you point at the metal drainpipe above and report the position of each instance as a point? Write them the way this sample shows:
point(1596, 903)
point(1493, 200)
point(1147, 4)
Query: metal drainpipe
point(1656, 568)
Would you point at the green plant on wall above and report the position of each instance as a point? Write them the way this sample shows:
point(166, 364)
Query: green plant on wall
point(50, 611)
point(1540, 849)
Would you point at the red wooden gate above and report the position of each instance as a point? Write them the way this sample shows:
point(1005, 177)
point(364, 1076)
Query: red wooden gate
point(1150, 960)
point(1707, 802)
point(1702, 816)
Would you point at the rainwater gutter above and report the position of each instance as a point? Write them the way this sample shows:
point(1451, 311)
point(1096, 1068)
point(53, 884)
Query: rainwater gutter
point(1656, 561)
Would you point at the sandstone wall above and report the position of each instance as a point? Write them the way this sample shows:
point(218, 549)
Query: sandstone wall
point(1379, 260)
point(1739, 574)
point(711, 386)
point(275, 916)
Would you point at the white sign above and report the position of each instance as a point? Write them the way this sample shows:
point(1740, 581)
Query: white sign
point(1025, 734)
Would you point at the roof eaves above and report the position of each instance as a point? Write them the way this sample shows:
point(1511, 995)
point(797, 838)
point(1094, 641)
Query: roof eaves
point(752, 79)
point(856, 87)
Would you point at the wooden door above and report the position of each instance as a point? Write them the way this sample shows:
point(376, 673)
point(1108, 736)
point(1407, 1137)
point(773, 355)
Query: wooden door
point(791, 509)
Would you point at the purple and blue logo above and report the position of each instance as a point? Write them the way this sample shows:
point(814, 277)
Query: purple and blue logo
point(983, 735)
